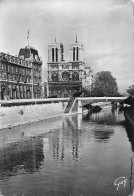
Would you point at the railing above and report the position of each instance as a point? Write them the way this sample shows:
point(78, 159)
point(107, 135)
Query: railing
point(69, 105)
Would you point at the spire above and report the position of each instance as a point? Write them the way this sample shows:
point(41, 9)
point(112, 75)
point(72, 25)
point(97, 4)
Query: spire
point(76, 38)
point(28, 37)
point(55, 39)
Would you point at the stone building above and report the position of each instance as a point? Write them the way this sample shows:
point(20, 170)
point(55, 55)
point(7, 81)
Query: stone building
point(65, 78)
point(20, 77)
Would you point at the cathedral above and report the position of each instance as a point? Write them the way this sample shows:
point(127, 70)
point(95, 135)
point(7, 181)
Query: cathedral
point(66, 78)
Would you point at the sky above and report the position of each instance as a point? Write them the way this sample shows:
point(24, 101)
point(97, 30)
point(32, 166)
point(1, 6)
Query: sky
point(104, 27)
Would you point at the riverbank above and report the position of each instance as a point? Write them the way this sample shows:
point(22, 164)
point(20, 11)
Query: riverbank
point(18, 112)
point(19, 102)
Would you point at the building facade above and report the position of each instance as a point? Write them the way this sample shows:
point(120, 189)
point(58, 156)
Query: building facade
point(65, 78)
point(20, 77)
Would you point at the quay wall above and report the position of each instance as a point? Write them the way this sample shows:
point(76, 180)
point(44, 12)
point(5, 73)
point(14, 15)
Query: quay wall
point(18, 112)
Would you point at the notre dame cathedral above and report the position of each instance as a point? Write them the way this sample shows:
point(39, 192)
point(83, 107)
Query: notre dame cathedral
point(67, 78)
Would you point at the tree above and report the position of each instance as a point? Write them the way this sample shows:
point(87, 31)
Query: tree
point(85, 91)
point(130, 90)
point(105, 85)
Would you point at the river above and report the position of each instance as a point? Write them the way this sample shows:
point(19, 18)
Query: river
point(78, 155)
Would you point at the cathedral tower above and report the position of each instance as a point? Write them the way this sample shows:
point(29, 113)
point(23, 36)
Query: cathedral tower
point(55, 52)
point(76, 51)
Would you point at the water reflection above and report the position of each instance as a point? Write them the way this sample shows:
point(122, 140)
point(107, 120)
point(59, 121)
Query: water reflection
point(27, 155)
point(23, 157)
point(103, 135)
point(105, 116)
point(74, 155)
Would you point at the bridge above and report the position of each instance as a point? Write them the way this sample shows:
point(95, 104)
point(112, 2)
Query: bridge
point(76, 104)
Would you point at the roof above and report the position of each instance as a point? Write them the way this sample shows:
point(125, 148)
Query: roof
point(29, 53)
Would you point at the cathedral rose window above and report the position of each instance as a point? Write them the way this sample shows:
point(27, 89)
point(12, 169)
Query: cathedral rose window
point(75, 76)
point(65, 76)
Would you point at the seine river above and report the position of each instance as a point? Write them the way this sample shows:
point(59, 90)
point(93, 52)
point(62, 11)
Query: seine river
point(79, 155)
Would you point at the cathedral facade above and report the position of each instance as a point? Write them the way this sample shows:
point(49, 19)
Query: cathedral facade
point(65, 78)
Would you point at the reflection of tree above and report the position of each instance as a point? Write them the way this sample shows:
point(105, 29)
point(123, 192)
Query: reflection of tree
point(103, 136)
point(26, 155)
point(130, 134)
point(103, 117)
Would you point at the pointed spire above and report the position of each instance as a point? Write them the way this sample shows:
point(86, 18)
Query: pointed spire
point(55, 39)
point(28, 37)
point(76, 38)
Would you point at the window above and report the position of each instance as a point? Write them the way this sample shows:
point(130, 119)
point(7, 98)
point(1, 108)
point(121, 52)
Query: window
point(73, 53)
point(8, 68)
point(20, 62)
point(4, 75)
point(77, 53)
point(8, 58)
point(12, 60)
point(65, 66)
point(75, 66)
point(75, 76)
point(0, 65)
point(52, 54)
point(65, 76)
point(4, 67)
point(56, 54)
point(11, 77)
point(16, 60)
point(8, 76)
point(54, 66)
point(16, 69)
point(14, 77)
point(54, 77)
point(20, 78)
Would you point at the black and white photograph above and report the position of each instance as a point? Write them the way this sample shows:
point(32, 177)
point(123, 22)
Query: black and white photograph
point(66, 97)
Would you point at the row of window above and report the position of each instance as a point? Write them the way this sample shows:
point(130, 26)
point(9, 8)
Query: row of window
point(15, 77)
point(15, 60)
point(14, 69)
point(55, 67)
point(19, 95)
point(19, 88)
point(65, 77)
point(13, 87)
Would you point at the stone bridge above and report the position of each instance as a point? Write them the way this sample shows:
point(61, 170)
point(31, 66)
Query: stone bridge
point(76, 104)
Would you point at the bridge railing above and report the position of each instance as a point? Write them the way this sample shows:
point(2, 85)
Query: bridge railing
point(101, 98)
